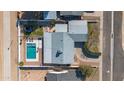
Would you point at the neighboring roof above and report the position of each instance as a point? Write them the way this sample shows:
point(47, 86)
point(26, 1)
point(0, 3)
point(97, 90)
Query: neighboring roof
point(61, 27)
point(49, 14)
point(29, 15)
point(78, 27)
point(71, 75)
point(58, 48)
point(76, 13)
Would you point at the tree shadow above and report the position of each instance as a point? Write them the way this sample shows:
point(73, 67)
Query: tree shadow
point(80, 75)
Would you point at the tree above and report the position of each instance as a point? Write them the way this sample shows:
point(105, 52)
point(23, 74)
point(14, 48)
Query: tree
point(86, 70)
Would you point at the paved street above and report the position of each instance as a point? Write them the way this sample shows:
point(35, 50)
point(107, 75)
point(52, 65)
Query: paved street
point(106, 64)
point(118, 54)
point(118, 63)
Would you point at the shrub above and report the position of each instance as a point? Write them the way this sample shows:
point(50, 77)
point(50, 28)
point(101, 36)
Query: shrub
point(37, 32)
point(89, 53)
point(86, 70)
point(21, 63)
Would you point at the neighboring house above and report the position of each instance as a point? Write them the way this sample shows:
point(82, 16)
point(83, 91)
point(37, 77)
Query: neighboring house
point(49, 15)
point(31, 15)
point(71, 75)
point(59, 45)
point(64, 15)
point(71, 13)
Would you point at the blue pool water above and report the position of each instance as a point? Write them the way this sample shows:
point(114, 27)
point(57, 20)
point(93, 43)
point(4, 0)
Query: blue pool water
point(31, 51)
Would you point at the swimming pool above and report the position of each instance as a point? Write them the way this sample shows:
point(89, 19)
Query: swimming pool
point(31, 51)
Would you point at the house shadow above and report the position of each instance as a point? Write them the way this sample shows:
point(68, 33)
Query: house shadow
point(86, 51)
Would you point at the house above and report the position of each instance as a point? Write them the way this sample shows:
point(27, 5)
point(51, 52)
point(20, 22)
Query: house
point(59, 45)
point(70, 75)
point(70, 15)
point(58, 48)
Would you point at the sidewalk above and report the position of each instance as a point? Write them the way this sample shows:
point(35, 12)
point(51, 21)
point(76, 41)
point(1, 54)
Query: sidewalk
point(101, 46)
point(1, 46)
point(14, 52)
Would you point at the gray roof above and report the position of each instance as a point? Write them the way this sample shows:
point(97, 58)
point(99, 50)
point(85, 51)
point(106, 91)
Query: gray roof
point(49, 14)
point(78, 30)
point(72, 75)
point(75, 13)
point(56, 48)
point(79, 37)
point(78, 27)
point(61, 27)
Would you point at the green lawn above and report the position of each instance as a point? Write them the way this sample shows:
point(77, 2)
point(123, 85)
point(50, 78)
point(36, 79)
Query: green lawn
point(36, 32)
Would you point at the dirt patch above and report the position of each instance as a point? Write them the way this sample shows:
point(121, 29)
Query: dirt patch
point(33, 75)
point(93, 37)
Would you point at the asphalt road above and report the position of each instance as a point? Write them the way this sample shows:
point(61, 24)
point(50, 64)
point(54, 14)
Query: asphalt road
point(106, 64)
point(118, 61)
point(118, 56)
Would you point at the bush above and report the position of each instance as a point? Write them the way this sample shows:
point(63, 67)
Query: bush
point(86, 70)
point(37, 32)
point(53, 22)
point(21, 63)
point(89, 53)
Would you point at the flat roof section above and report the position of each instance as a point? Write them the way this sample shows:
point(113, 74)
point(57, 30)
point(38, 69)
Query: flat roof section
point(76, 13)
point(78, 27)
point(61, 28)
